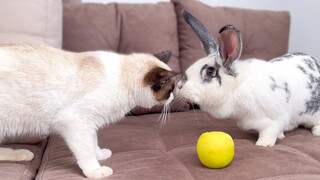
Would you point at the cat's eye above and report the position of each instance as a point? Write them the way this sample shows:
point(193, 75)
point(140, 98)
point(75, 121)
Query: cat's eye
point(164, 81)
point(156, 87)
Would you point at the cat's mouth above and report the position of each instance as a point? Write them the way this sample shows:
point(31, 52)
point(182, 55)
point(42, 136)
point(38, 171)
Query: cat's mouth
point(169, 100)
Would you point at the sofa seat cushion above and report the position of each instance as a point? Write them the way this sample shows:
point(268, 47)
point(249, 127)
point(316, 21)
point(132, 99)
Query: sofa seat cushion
point(265, 34)
point(144, 150)
point(25, 169)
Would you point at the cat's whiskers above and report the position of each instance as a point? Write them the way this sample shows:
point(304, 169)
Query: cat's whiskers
point(194, 112)
point(182, 101)
point(205, 115)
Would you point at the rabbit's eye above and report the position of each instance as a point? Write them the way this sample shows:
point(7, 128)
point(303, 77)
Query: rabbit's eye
point(210, 72)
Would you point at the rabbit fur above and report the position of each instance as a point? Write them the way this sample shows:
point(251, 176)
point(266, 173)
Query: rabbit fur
point(268, 97)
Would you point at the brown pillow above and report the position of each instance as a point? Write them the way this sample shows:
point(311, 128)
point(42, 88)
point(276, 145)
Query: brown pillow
point(265, 33)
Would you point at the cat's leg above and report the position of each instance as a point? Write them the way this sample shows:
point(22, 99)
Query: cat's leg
point(81, 142)
point(101, 154)
point(8, 154)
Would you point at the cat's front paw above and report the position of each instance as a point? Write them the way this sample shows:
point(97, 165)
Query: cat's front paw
point(266, 142)
point(101, 172)
point(22, 155)
point(103, 154)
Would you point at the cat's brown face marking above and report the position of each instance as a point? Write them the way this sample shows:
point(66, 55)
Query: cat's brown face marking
point(161, 82)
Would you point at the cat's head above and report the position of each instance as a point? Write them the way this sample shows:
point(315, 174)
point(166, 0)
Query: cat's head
point(156, 77)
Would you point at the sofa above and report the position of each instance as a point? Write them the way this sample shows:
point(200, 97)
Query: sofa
point(142, 148)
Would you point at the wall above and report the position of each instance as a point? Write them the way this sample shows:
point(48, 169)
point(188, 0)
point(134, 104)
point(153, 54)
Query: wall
point(305, 18)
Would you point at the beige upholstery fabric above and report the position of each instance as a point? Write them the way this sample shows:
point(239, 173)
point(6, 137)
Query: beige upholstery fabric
point(32, 21)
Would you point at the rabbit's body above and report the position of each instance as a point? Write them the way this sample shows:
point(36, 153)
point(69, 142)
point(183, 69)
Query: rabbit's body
point(268, 97)
point(281, 94)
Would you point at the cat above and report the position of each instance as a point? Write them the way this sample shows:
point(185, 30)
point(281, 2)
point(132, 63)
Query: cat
point(44, 90)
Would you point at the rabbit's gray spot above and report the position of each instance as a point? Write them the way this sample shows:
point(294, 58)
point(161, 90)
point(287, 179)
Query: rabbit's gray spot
point(277, 60)
point(231, 72)
point(287, 56)
point(274, 85)
point(288, 92)
point(313, 104)
point(309, 63)
point(299, 54)
point(208, 72)
point(302, 69)
point(217, 66)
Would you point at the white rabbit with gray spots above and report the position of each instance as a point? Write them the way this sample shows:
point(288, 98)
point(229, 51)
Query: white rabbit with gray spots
point(268, 97)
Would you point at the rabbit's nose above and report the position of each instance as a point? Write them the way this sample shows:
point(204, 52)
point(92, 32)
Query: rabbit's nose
point(180, 84)
point(182, 81)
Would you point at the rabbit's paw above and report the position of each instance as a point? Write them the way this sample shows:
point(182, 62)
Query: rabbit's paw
point(101, 172)
point(103, 154)
point(316, 130)
point(266, 142)
point(281, 136)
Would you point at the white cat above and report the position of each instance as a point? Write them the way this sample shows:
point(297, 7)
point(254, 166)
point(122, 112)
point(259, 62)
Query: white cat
point(268, 97)
point(45, 90)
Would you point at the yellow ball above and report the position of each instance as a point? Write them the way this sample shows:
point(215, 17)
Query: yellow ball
point(215, 149)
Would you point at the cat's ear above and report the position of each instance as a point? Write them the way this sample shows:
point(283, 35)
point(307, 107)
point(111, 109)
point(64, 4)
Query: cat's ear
point(164, 56)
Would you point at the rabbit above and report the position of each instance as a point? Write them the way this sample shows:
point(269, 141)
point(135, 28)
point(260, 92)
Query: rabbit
point(267, 97)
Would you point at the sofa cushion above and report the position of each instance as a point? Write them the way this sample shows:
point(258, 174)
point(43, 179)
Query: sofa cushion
point(150, 28)
point(23, 170)
point(142, 150)
point(123, 28)
point(265, 34)
point(89, 27)
point(33, 21)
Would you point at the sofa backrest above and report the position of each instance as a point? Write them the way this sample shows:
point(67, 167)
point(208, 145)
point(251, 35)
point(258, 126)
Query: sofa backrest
point(151, 28)
point(124, 28)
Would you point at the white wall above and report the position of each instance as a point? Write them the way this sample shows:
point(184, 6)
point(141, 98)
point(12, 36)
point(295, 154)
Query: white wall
point(305, 18)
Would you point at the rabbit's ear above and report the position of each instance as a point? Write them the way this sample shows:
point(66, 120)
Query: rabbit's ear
point(207, 41)
point(230, 44)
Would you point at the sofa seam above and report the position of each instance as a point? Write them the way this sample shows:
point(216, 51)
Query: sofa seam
point(179, 163)
point(119, 25)
point(49, 148)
